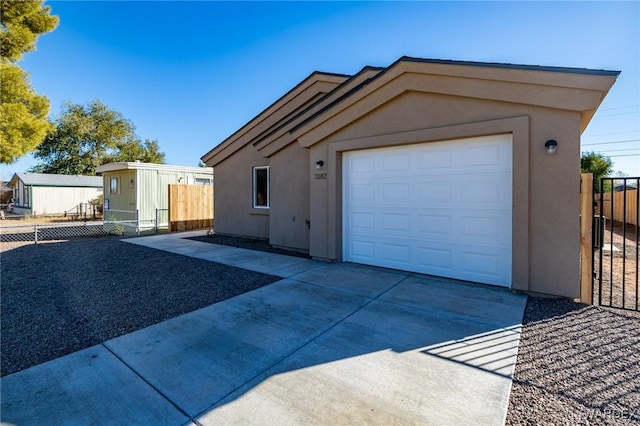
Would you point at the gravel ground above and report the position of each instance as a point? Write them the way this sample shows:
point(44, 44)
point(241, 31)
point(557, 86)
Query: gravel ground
point(60, 297)
point(247, 243)
point(577, 365)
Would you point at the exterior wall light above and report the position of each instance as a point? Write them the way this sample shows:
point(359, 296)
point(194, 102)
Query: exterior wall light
point(551, 146)
point(319, 164)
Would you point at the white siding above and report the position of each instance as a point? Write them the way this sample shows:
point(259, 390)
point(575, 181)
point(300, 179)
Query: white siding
point(57, 200)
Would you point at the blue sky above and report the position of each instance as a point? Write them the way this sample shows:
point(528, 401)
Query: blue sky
point(191, 73)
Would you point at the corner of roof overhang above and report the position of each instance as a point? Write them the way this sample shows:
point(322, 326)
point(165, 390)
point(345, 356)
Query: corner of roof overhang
point(599, 82)
point(587, 115)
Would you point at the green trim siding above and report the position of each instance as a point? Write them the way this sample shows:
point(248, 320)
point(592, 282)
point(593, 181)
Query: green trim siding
point(145, 190)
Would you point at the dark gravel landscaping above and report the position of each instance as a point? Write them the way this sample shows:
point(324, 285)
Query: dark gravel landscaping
point(60, 297)
point(577, 365)
point(246, 243)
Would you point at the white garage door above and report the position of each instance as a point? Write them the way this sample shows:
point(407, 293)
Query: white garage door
point(440, 208)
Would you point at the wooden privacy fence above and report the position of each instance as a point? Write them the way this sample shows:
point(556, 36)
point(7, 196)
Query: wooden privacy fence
point(190, 207)
point(617, 200)
point(586, 237)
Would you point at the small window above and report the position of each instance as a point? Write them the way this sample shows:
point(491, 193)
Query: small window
point(261, 187)
point(200, 181)
point(114, 185)
point(25, 196)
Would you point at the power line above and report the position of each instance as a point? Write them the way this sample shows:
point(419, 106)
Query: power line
point(624, 155)
point(622, 149)
point(616, 115)
point(628, 106)
point(610, 134)
point(610, 142)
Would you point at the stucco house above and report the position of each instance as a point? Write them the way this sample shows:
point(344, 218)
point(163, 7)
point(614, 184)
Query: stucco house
point(139, 191)
point(458, 169)
point(38, 194)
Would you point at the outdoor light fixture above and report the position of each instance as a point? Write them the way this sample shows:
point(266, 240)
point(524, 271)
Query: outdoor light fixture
point(551, 146)
point(319, 164)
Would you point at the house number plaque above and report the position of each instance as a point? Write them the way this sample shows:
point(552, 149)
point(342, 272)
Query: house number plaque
point(320, 176)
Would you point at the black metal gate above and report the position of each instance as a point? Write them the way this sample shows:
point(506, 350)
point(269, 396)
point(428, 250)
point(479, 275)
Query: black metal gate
point(615, 243)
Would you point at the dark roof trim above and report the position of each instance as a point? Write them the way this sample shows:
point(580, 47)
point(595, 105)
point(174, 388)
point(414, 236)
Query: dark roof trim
point(337, 100)
point(513, 66)
point(244, 127)
point(338, 87)
point(568, 70)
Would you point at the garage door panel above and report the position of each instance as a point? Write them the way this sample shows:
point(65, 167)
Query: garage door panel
point(433, 191)
point(360, 221)
point(435, 260)
point(490, 189)
point(361, 164)
point(362, 193)
point(362, 250)
point(475, 227)
point(430, 161)
point(483, 228)
point(489, 265)
point(466, 262)
point(396, 222)
point(396, 162)
point(395, 192)
point(482, 155)
point(398, 254)
point(432, 225)
point(438, 208)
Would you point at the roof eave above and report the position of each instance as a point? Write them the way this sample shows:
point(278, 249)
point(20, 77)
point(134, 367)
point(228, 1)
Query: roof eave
point(593, 80)
point(239, 138)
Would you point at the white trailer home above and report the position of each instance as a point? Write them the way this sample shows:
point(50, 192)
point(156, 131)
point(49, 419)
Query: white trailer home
point(40, 194)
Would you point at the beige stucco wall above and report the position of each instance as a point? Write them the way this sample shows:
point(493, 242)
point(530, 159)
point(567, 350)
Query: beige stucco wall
point(289, 198)
point(545, 195)
point(235, 214)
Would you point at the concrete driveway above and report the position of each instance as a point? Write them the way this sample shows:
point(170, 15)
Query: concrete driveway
point(328, 344)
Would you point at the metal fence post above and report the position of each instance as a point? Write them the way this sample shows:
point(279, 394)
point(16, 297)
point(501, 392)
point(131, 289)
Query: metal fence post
point(35, 234)
point(156, 224)
point(137, 222)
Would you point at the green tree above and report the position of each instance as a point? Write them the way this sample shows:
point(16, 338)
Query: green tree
point(23, 113)
point(598, 164)
point(87, 136)
point(147, 152)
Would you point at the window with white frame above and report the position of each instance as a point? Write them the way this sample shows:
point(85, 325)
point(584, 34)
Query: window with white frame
point(114, 185)
point(261, 187)
point(25, 196)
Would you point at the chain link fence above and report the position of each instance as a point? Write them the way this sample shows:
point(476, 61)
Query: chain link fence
point(53, 231)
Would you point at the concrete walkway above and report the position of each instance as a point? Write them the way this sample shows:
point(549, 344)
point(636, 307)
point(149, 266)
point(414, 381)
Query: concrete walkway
point(328, 344)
